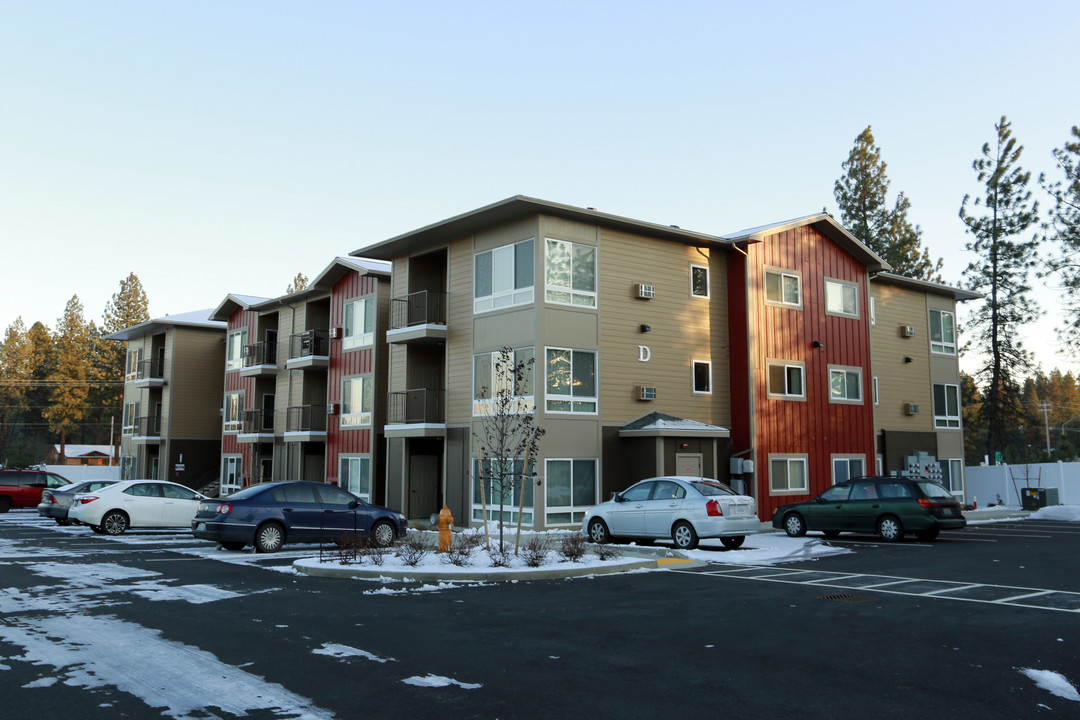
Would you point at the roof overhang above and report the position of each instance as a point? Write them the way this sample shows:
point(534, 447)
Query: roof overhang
point(198, 320)
point(827, 226)
point(958, 294)
point(661, 425)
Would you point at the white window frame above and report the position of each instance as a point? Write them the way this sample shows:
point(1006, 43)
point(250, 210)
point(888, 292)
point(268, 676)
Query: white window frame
point(942, 346)
point(576, 511)
point(236, 462)
point(877, 391)
point(782, 274)
point(845, 373)
point(365, 404)
point(574, 400)
point(945, 421)
point(693, 377)
point(232, 415)
point(360, 311)
point(131, 418)
point(523, 401)
point(787, 365)
point(956, 474)
point(234, 349)
point(511, 506)
point(132, 371)
point(843, 285)
point(873, 311)
point(708, 286)
point(504, 257)
point(847, 459)
point(789, 459)
point(354, 471)
point(576, 297)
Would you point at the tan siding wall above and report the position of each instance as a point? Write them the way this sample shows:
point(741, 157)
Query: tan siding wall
point(459, 319)
point(196, 381)
point(900, 382)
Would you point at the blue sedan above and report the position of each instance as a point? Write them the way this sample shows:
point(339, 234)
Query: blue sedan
point(272, 514)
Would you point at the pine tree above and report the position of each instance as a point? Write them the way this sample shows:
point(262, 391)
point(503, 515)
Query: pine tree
point(16, 373)
point(299, 283)
point(1000, 271)
point(861, 193)
point(70, 389)
point(129, 307)
point(1064, 229)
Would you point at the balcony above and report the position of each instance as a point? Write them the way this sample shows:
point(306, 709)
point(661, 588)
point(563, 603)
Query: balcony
point(259, 359)
point(418, 317)
point(149, 374)
point(256, 426)
point(309, 349)
point(147, 430)
point(416, 413)
point(304, 423)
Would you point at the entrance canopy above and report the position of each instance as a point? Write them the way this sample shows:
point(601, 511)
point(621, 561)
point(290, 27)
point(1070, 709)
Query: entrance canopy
point(658, 424)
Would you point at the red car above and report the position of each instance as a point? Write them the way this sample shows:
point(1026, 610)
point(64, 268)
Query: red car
point(22, 488)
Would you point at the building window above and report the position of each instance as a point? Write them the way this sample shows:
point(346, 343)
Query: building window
point(234, 350)
point(702, 377)
point(846, 467)
point(952, 474)
point(786, 380)
point(132, 368)
point(877, 392)
point(501, 483)
point(570, 490)
point(359, 329)
point(489, 381)
point(356, 475)
point(946, 405)
point(845, 385)
point(783, 287)
point(231, 479)
point(357, 397)
point(503, 277)
point(234, 411)
point(571, 381)
point(942, 332)
point(873, 312)
point(841, 298)
point(131, 418)
point(127, 467)
point(699, 281)
point(570, 273)
point(787, 474)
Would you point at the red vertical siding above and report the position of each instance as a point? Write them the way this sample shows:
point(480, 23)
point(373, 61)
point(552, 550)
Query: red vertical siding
point(239, 320)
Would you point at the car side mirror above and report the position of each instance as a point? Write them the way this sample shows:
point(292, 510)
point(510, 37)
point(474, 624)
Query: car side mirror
point(617, 497)
point(354, 504)
point(820, 500)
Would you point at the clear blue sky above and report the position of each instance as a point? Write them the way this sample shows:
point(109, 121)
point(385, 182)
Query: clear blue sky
point(217, 147)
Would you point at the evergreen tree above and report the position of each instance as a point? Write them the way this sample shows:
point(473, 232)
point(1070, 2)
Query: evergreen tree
point(1000, 271)
point(974, 427)
point(69, 382)
point(299, 283)
point(16, 374)
point(861, 193)
point(1064, 229)
point(129, 307)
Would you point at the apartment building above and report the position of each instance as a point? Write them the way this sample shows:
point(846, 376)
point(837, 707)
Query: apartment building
point(171, 426)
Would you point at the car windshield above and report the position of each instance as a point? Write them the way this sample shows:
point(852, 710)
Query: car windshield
point(712, 487)
point(933, 489)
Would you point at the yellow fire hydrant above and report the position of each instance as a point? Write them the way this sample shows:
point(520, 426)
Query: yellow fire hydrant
point(446, 525)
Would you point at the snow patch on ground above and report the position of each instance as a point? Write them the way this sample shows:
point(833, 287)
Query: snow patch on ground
point(1066, 513)
point(344, 651)
point(1053, 682)
point(430, 680)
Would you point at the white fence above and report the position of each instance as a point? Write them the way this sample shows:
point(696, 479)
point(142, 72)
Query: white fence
point(989, 482)
point(78, 473)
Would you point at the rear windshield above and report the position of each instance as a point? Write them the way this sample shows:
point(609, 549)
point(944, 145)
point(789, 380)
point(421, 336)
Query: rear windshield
point(933, 489)
point(712, 487)
point(246, 492)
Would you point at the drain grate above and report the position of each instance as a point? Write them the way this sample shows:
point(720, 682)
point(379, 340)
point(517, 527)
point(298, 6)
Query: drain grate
point(845, 597)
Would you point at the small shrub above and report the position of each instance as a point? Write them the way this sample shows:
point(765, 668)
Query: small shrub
point(412, 549)
point(462, 548)
point(534, 552)
point(501, 555)
point(374, 553)
point(349, 548)
point(605, 552)
point(572, 548)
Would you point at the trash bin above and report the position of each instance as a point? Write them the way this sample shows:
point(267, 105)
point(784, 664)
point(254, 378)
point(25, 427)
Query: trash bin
point(1033, 498)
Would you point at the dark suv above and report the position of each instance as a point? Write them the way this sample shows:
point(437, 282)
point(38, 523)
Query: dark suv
point(22, 488)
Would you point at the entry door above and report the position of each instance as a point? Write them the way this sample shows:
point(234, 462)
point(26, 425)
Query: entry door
point(423, 485)
point(688, 464)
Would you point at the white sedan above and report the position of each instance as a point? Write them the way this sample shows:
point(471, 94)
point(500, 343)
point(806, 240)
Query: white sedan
point(135, 504)
point(686, 509)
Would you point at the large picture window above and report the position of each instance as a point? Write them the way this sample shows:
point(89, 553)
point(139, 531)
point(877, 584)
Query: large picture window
point(570, 381)
point(570, 273)
point(946, 405)
point(234, 350)
point(490, 381)
point(357, 398)
point(570, 490)
point(503, 277)
point(942, 332)
point(359, 328)
point(787, 474)
point(783, 288)
point(356, 475)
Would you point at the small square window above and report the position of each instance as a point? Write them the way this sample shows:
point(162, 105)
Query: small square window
point(702, 377)
point(841, 298)
point(786, 380)
point(699, 281)
point(783, 288)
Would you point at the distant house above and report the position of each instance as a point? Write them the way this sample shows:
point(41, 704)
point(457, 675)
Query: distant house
point(81, 455)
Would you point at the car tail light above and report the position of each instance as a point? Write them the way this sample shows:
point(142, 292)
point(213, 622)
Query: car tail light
point(223, 509)
point(713, 509)
point(83, 500)
point(927, 503)
point(47, 497)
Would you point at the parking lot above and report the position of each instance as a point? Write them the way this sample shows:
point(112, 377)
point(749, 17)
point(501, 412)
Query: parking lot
point(948, 625)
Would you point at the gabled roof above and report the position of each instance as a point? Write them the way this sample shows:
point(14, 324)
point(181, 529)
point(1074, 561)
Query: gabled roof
point(74, 451)
point(196, 319)
point(342, 266)
point(515, 208)
point(658, 424)
point(958, 294)
point(827, 226)
point(232, 303)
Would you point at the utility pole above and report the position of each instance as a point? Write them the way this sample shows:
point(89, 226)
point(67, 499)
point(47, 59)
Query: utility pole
point(1044, 408)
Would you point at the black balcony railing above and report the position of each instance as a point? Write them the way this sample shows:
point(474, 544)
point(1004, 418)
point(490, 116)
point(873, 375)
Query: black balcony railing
point(307, 344)
point(257, 421)
point(150, 369)
point(419, 308)
point(260, 353)
point(148, 426)
point(306, 418)
point(416, 406)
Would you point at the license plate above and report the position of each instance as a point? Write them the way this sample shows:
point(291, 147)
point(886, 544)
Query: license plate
point(200, 527)
point(739, 510)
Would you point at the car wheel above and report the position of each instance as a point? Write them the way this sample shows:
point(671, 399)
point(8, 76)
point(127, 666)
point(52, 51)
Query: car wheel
point(684, 535)
point(5, 504)
point(233, 545)
point(831, 534)
point(731, 543)
point(382, 534)
point(598, 532)
point(114, 523)
point(928, 535)
point(269, 538)
point(794, 525)
point(890, 529)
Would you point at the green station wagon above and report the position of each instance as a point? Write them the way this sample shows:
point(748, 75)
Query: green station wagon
point(886, 506)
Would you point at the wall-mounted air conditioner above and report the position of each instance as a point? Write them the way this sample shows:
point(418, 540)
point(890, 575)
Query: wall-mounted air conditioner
point(646, 292)
point(335, 333)
point(911, 409)
point(646, 392)
point(332, 409)
point(907, 331)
